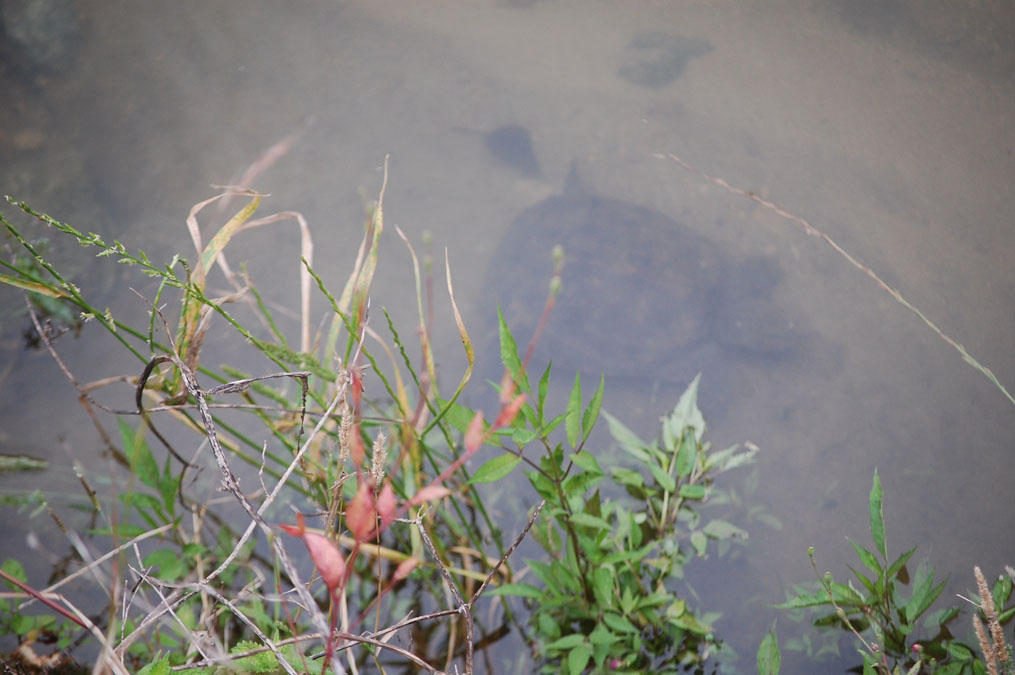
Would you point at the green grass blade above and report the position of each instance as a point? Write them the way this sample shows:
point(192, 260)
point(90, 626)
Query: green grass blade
point(769, 657)
point(877, 517)
point(572, 417)
point(591, 415)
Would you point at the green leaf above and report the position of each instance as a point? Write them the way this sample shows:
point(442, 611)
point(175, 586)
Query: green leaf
point(14, 568)
point(959, 651)
point(769, 657)
point(893, 570)
point(496, 468)
point(22, 624)
point(142, 463)
point(869, 560)
point(685, 414)
point(141, 501)
point(522, 436)
point(1002, 590)
point(692, 491)
point(600, 635)
point(624, 556)
point(618, 623)
point(958, 668)
point(547, 626)
point(877, 517)
point(665, 480)
point(572, 416)
point(627, 439)
point(457, 415)
point(519, 589)
point(545, 573)
point(170, 565)
point(509, 353)
point(160, 666)
point(802, 600)
point(542, 485)
point(686, 454)
point(148, 507)
point(721, 529)
point(603, 586)
point(699, 541)
point(924, 596)
point(585, 520)
point(844, 595)
point(579, 483)
point(543, 387)
point(915, 669)
point(585, 460)
point(567, 642)
point(676, 606)
point(871, 586)
point(591, 415)
point(870, 664)
point(628, 477)
point(552, 424)
point(579, 658)
point(168, 485)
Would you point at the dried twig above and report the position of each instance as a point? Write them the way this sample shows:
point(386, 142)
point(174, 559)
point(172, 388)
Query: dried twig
point(815, 232)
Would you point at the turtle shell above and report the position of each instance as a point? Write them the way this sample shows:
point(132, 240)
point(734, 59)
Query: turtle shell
point(638, 288)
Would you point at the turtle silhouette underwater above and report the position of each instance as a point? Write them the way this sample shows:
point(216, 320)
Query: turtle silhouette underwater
point(642, 295)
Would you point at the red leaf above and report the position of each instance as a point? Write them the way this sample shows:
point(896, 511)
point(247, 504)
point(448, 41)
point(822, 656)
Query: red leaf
point(404, 568)
point(474, 434)
point(386, 504)
point(356, 382)
point(360, 514)
point(356, 449)
point(297, 530)
point(507, 387)
point(509, 412)
point(323, 553)
point(327, 559)
point(429, 493)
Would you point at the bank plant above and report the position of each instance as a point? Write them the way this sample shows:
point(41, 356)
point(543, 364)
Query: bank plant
point(322, 510)
point(607, 597)
point(886, 610)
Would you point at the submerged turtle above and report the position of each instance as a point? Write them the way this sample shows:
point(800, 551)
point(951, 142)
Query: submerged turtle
point(642, 295)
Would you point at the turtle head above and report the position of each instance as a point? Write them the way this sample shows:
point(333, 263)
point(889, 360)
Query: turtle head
point(574, 186)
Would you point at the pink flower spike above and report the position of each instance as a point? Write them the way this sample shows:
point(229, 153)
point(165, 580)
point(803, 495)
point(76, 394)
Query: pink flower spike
point(428, 494)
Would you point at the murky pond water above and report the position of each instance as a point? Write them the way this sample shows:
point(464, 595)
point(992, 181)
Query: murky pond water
point(887, 129)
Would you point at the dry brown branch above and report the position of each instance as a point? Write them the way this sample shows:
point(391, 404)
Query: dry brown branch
point(98, 561)
point(449, 583)
point(511, 549)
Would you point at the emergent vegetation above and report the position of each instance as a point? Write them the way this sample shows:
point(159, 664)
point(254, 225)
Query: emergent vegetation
point(406, 565)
